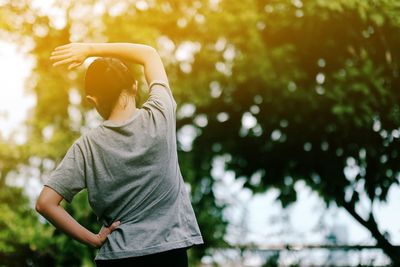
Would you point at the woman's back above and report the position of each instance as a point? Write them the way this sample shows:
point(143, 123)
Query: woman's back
point(132, 174)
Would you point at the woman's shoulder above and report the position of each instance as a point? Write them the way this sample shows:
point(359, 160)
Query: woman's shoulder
point(87, 136)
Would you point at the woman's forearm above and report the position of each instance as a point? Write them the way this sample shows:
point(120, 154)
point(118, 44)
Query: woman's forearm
point(138, 53)
point(62, 220)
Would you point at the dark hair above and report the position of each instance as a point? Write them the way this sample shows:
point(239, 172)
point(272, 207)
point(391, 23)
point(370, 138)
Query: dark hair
point(106, 78)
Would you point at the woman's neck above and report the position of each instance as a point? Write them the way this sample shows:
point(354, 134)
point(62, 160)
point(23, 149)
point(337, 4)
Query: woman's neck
point(123, 110)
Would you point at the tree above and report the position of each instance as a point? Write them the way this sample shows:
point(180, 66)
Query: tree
point(311, 92)
point(56, 121)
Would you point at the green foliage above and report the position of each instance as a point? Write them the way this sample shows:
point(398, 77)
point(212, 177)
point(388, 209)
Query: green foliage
point(272, 261)
point(23, 239)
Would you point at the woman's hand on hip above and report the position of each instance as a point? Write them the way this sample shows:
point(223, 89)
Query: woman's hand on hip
point(73, 54)
point(104, 232)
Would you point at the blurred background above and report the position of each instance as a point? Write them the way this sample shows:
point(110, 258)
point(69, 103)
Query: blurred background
point(288, 124)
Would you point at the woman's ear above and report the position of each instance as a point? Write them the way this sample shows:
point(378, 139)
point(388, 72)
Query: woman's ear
point(92, 100)
point(135, 87)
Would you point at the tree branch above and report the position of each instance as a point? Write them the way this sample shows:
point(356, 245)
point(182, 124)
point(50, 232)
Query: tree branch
point(390, 250)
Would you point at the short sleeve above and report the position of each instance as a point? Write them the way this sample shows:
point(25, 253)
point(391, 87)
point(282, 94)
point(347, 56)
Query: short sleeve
point(68, 178)
point(160, 97)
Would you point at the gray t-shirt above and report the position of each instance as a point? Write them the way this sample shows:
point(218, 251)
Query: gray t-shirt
point(132, 174)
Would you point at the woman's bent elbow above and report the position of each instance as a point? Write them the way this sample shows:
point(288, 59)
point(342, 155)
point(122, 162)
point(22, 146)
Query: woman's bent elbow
point(38, 207)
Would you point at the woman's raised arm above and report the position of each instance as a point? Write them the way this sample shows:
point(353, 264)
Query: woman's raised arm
point(75, 54)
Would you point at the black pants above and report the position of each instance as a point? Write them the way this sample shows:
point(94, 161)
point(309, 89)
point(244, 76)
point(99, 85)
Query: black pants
point(170, 258)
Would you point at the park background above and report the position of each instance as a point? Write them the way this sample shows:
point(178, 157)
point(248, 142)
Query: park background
point(288, 124)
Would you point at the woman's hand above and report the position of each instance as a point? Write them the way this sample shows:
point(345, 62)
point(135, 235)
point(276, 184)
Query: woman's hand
point(73, 54)
point(104, 232)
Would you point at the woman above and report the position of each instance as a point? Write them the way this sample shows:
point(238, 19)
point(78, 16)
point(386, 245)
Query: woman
point(128, 164)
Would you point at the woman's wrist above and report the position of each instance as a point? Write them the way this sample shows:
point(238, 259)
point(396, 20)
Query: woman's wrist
point(91, 50)
point(100, 50)
point(94, 240)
